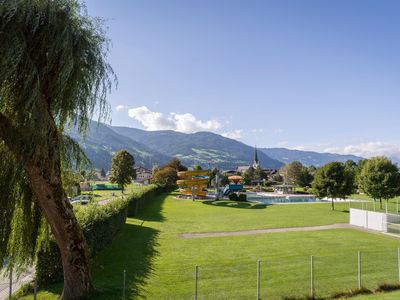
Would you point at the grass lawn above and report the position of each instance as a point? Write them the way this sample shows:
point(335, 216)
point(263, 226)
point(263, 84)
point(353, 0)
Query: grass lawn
point(99, 195)
point(160, 265)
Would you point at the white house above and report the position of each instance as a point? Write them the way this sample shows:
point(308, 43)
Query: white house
point(143, 175)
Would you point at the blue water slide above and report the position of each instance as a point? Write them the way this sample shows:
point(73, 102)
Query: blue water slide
point(226, 191)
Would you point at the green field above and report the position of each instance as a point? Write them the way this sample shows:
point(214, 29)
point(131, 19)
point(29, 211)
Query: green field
point(99, 195)
point(160, 264)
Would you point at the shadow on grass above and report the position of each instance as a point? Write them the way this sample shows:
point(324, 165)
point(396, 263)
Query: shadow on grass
point(133, 250)
point(234, 204)
point(153, 210)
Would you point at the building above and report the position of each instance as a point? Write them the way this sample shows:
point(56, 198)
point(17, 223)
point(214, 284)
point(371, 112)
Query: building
point(255, 165)
point(143, 175)
point(255, 161)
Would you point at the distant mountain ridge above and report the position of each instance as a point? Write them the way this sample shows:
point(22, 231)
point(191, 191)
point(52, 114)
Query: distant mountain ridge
point(203, 148)
point(155, 148)
point(307, 158)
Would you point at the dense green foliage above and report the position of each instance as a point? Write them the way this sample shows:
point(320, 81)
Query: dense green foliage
point(333, 180)
point(379, 178)
point(122, 169)
point(139, 198)
point(167, 176)
point(20, 217)
point(296, 174)
point(53, 72)
point(99, 224)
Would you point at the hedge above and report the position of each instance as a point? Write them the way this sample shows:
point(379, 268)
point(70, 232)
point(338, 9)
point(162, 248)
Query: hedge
point(138, 198)
point(99, 224)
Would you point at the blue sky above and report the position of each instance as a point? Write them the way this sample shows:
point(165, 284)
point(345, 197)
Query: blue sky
point(320, 75)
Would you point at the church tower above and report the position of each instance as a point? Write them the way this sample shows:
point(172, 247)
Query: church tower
point(255, 161)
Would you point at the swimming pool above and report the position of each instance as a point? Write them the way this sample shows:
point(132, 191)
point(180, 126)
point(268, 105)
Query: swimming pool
point(277, 199)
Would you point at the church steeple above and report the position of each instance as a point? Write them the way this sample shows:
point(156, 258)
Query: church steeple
point(255, 162)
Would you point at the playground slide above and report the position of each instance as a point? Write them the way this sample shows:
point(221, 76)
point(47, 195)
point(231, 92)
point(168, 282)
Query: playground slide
point(193, 182)
point(229, 188)
point(226, 191)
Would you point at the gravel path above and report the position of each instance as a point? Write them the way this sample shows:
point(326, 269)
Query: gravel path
point(273, 230)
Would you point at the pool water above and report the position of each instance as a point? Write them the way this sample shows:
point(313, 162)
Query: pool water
point(271, 199)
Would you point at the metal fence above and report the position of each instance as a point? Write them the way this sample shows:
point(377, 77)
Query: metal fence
point(279, 276)
point(290, 277)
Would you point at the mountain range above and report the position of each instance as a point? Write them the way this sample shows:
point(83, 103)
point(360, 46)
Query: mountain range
point(307, 158)
point(155, 148)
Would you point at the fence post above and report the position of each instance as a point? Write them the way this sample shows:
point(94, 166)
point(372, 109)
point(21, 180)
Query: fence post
point(359, 269)
point(196, 280)
point(312, 276)
point(35, 288)
point(124, 284)
point(11, 283)
point(398, 263)
point(258, 279)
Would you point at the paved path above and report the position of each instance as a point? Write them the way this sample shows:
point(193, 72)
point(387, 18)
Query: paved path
point(273, 230)
point(26, 277)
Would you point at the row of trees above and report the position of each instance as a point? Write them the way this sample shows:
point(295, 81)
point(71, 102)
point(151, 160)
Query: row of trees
point(378, 177)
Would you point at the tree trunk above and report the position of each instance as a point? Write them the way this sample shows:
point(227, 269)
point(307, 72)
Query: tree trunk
point(44, 172)
point(380, 204)
point(67, 233)
point(43, 168)
point(333, 204)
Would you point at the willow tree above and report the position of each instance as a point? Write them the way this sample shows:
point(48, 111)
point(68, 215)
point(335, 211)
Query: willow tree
point(53, 74)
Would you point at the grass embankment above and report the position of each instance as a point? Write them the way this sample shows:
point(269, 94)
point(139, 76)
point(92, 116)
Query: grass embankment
point(160, 264)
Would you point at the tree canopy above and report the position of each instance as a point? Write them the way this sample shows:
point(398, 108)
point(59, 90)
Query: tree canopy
point(333, 180)
point(379, 178)
point(297, 174)
point(122, 169)
point(53, 74)
point(167, 174)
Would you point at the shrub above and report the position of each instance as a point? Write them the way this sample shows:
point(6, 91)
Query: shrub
point(242, 197)
point(99, 224)
point(233, 197)
point(138, 198)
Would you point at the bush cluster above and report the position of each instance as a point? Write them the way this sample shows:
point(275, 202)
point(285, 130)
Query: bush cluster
point(235, 197)
point(99, 224)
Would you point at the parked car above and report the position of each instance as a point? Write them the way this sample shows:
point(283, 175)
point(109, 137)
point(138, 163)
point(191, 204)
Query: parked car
point(82, 199)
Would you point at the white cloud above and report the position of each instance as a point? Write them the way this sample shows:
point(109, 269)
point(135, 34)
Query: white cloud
point(236, 134)
point(120, 108)
point(186, 123)
point(257, 130)
point(369, 149)
point(278, 130)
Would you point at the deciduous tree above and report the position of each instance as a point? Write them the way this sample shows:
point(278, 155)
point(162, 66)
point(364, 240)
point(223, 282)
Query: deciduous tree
point(333, 180)
point(53, 72)
point(380, 179)
point(122, 169)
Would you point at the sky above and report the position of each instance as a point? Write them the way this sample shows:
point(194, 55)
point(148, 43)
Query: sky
point(300, 74)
